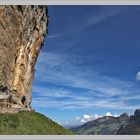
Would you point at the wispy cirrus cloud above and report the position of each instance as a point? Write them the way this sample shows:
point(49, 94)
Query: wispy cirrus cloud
point(75, 71)
point(138, 75)
point(70, 71)
point(99, 91)
point(54, 36)
point(100, 16)
point(80, 104)
point(93, 18)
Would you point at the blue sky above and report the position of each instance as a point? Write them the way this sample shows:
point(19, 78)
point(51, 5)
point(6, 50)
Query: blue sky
point(89, 65)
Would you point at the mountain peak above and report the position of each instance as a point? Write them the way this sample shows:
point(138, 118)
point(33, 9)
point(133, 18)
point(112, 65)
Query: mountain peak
point(137, 112)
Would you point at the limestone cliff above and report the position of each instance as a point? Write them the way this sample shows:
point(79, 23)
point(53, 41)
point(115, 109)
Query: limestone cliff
point(22, 31)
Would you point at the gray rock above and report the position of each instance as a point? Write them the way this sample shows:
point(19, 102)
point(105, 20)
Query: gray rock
point(137, 112)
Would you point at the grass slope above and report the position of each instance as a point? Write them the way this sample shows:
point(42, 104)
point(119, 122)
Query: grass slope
point(29, 123)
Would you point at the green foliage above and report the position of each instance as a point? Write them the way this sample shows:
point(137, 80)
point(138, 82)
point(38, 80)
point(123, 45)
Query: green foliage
point(29, 123)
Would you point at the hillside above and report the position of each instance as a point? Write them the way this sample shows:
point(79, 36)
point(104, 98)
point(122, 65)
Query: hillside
point(106, 125)
point(29, 123)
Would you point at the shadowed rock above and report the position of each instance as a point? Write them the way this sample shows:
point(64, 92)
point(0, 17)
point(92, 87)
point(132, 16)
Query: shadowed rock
point(137, 112)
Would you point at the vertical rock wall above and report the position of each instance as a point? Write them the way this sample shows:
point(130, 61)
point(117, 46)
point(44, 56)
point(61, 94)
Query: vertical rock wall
point(22, 31)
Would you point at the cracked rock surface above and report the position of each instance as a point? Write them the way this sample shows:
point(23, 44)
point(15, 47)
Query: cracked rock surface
point(22, 31)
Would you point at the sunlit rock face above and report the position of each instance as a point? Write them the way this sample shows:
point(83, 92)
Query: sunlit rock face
point(22, 31)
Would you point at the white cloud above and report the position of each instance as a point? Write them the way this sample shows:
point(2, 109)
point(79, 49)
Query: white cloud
point(86, 118)
point(138, 75)
point(63, 69)
point(56, 66)
point(96, 116)
point(54, 36)
point(77, 118)
point(83, 121)
point(66, 122)
point(52, 98)
point(43, 102)
point(116, 115)
point(48, 92)
point(108, 114)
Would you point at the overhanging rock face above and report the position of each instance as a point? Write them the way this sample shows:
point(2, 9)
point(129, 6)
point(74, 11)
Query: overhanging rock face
point(22, 31)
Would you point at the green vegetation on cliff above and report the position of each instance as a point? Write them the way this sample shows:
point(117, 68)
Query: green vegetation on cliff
point(29, 123)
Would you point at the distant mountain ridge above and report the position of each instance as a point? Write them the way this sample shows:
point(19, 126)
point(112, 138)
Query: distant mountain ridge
point(109, 125)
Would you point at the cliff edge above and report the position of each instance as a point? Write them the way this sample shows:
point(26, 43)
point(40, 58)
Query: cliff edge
point(22, 31)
